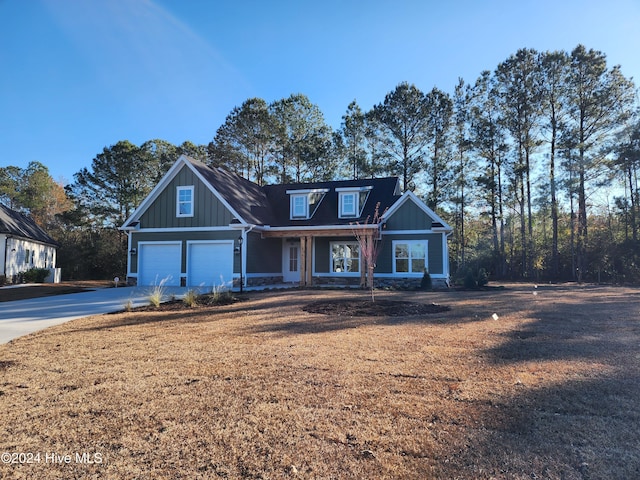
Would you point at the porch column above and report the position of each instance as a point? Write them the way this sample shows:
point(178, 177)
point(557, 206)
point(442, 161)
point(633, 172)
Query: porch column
point(306, 265)
point(305, 260)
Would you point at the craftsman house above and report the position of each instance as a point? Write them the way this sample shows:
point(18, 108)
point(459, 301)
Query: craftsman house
point(23, 246)
point(203, 226)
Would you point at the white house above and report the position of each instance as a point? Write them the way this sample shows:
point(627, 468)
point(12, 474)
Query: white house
point(24, 245)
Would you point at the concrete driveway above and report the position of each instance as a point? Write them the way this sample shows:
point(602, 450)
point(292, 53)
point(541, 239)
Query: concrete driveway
point(25, 316)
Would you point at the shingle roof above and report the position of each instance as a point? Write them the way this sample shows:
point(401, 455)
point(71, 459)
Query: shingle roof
point(19, 225)
point(248, 199)
point(269, 205)
point(385, 192)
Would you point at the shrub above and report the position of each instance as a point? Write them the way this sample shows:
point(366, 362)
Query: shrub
point(426, 283)
point(470, 281)
point(190, 298)
point(482, 278)
point(157, 294)
point(35, 275)
point(220, 295)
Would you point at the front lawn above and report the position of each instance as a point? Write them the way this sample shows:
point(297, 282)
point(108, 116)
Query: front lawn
point(548, 387)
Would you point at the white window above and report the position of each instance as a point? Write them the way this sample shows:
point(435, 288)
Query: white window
point(303, 203)
point(299, 206)
point(345, 257)
point(184, 202)
point(410, 256)
point(348, 202)
point(351, 201)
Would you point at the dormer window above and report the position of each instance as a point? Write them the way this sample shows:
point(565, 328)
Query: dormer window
point(299, 206)
point(303, 203)
point(351, 201)
point(184, 202)
point(348, 202)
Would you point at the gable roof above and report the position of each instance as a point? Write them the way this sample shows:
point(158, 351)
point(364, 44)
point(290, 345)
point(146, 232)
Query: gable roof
point(252, 204)
point(229, 188)
point(247, 200)
point(437, 222)
point(16, 224)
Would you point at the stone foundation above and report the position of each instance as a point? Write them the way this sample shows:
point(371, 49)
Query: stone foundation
point(409, 283)
point(259, 281)
point(337, 281)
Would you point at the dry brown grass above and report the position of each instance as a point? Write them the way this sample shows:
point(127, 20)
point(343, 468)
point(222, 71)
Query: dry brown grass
point(262, 389)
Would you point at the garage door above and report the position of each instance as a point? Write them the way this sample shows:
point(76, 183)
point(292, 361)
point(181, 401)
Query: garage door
point(210, 263)
point(159, 262)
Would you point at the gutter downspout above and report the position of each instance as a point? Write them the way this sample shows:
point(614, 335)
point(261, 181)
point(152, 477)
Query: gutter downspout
point(243, 260)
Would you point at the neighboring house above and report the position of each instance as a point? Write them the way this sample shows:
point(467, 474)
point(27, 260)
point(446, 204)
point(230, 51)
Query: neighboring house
point(204, 226)
point(24, 245)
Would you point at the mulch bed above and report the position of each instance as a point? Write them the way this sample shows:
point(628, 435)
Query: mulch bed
point(379, 308)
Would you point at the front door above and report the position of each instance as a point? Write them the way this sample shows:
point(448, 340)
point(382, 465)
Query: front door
point(291, 261)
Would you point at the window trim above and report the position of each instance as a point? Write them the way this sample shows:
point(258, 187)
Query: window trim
point(352, 243)
point(292, 200)
point(425, 242)
point(360, 196)
point(191, 202)
point(355, 196)
point(310, 207)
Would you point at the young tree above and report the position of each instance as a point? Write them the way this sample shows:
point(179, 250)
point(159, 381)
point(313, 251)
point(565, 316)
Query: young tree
point(369, 237)
point(403, 119)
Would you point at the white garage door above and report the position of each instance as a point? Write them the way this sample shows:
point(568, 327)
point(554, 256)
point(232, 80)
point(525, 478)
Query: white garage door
point(159, 262)
point(210, 263)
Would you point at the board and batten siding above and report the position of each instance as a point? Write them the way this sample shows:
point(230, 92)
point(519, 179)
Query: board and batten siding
point(264, 255)
point(385, 260)
point(409, 217)
point(208, 211)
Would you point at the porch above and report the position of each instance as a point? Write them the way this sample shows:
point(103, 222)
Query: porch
point(367, 237)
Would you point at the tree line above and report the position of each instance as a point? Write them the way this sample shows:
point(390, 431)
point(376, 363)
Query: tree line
point(535, 165)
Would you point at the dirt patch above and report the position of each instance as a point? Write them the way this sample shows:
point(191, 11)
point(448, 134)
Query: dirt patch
point(518, 384)
point(357, 307)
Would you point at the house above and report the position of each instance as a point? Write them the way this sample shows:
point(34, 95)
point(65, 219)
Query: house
point(204, 226)
point(24, 245)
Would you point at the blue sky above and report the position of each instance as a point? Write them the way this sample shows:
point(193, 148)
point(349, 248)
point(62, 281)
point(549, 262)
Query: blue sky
point(79, 75)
